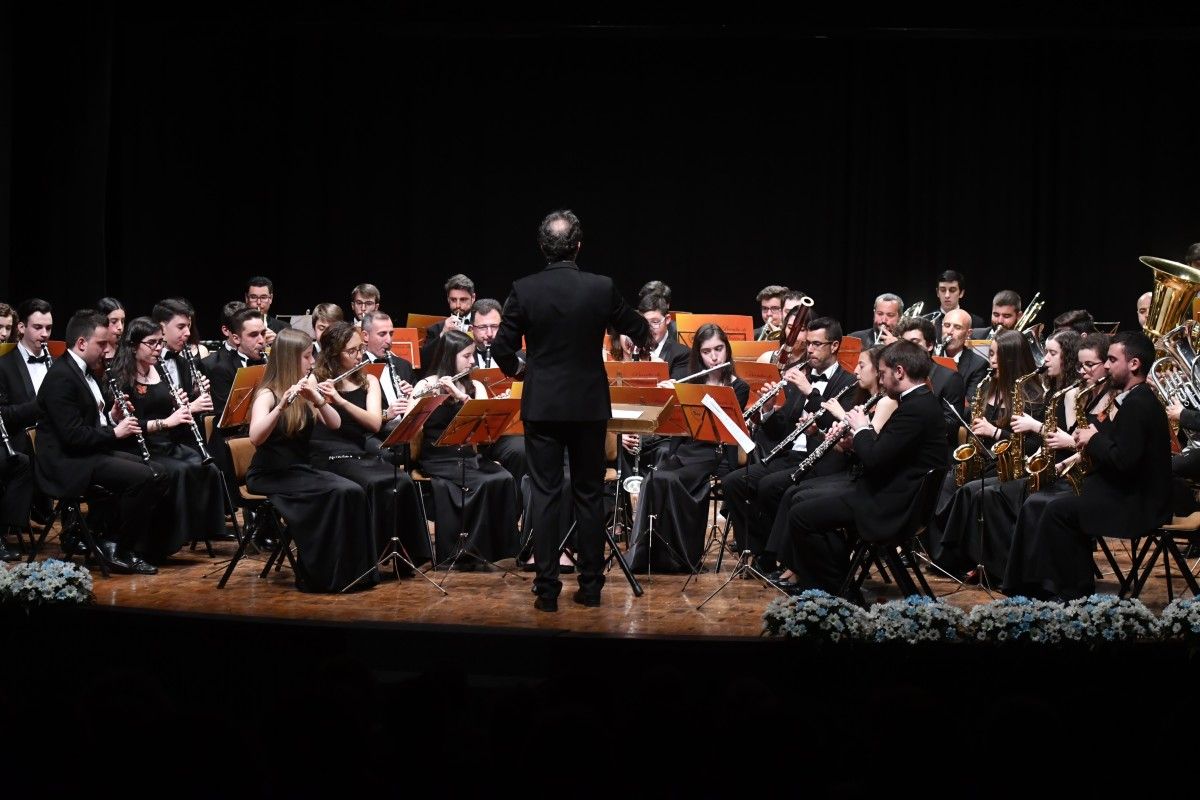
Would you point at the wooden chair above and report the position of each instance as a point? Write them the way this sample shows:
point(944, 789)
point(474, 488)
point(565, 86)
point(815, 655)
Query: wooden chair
point(241, 451)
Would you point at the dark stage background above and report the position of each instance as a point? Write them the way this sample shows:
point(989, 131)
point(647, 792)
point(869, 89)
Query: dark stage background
point(146, 152)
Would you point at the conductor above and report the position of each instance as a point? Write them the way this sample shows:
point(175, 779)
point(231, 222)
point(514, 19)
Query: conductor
point(563, 313)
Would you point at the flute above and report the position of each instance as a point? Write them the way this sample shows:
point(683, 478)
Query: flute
point(695, 375)
point(436, 387)
point(291, 396)
point(351, 371)
point(205, 458)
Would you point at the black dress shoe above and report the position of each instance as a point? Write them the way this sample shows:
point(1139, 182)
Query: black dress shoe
point(585, 599)
point(8, 555)
point(543, 603)
point(141, 566)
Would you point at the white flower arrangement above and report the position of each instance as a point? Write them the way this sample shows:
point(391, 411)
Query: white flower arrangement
point(816, 616)
point(1104, 618)
point(1181, 620)
point(915, 619)
point(1016, 619)
point(45, 583)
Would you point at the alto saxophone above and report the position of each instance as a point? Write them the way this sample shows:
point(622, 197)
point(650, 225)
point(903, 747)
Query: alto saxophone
point(1084, 465)
point(968, 464)
point(1010, 464)
point(1040, 465)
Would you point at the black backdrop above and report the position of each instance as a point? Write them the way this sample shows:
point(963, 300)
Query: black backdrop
point(155, 152)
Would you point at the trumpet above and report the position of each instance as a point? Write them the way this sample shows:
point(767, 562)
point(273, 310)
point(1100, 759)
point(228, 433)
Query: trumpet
point(174, 390)
point(802, 424)
point(1030, 313)
point(123, 401)
point(769, 332)
point(914, 310)
point(940, 348)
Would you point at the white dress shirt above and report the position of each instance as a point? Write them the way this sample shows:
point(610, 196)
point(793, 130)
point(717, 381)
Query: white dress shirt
point(91, 382)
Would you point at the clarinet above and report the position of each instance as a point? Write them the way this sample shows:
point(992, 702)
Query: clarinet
point(835, 433)
point(205, 458)
point(803, 423)
point(4, 435)
point(127, 407)
point(199, 381)
point(46, 355)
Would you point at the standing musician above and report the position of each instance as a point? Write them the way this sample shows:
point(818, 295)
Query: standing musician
point(886, 314)
point(950, 291)
point(947, 385)
point(260, 293)
point(956, 327)
point(364, 299)
point(486, 510)
point(460, 296)
point(676, 492)
point(79, 447)
point(397, 379)
point(1006, 310)
point(1126, 494)
point(325, 513)
point(485, 324)
point(894, 462)
point(565, 405)
point(770, 300)
point(756, 490)
point(192, 509)
point(392, 504)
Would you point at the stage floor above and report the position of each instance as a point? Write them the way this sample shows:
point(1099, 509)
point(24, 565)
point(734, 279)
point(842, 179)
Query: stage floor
point(188, 584)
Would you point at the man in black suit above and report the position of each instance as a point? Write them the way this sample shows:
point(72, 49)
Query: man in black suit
point(175, 317)
point(662, 289)
point(1126, 494)
point(770, 306)
point(755, 491)
point(377, 328)
point(260, 293)
point(654, 310)
point(509, 451)
point(22, 371)
point(951, 287)
point(460, 296)
point(565, 403)
point(364, 299)
point(888, 308)
point(956, 327)
point(78, 446)
point(244, 348)
point(1006, 310)
point(894, 461)
point(947, 384)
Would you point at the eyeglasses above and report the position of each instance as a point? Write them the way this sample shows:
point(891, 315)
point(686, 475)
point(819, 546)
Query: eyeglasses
point(364, 303)
point(258, 297)
point(153, 344)
point(485, 328)
point(769, 309)
point(815, 343)
point(362, 348)
point(1089, 364)
point(656, 323)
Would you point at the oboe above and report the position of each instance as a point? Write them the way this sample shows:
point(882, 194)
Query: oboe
point(174, 390)
point(803, 423)
point(835, 433)
point(127, 407)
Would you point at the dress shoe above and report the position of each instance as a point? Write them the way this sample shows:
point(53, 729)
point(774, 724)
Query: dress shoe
point(8, 555)
point(544, 603)
point(141, 566)
point(585, 599)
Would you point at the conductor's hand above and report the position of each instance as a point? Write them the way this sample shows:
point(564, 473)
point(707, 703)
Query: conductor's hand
point(127, 427)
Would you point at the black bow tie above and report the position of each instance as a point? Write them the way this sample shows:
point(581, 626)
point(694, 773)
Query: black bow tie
point(254, 362)
point(37, 359)
point(170, 355)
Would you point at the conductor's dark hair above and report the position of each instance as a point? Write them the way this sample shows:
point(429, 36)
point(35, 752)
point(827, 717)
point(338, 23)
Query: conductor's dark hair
point(950, 276)
point(259, 280)
point(912, 357)
point(166, 310)
point(33, 305)
point(107, 305)
point(1137, 345)
point(655, 287)
point(82, 325)
point(653, 302)
point(832, 328)
point(917, 324)
point(559, 235)
point(1007, 297)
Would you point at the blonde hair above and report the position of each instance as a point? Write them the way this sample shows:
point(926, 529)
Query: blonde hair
point(283, 372)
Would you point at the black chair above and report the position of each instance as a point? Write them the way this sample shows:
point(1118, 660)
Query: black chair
point(1162, 542)
point(897, 553)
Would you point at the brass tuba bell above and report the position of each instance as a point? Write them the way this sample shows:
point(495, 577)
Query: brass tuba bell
point(1175, 285)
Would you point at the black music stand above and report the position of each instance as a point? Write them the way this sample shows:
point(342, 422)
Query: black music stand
point(394, 552)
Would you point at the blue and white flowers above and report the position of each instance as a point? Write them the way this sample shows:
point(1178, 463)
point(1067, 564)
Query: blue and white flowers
point(45, 582)
point(1106, 618)
point(1181, 620)
point(1016, 619)
point(816, 616)
point(915, 619)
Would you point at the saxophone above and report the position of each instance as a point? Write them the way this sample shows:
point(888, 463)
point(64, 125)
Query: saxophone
point(1010, 464)
point(1040, 465)
point(1084, 465)
point(967, 461)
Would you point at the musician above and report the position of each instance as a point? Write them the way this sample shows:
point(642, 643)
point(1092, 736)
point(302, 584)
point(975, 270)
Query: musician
point(393, 508)
point(1143, 308)
point(487, 509)
point(951, 288)
point(947, 385)
point(887, 313)
point(364, 299)
point(1006, 310)
point(113, 311)
point(1079, 320)
point(485, 324)
point(790, 301)
point(16, 473)
point(23, 369)
point(770, 300)
point(756, 490)
point(676, 491)
point(175, 316)
point(324, 315)
point(565, 406)
point(664, 291)
point(460, 296)
point(192, 509)
point(954, 535)
point(325, 513)
point(653, 309)
point(894, 462)
point(79, 447)
point(956, 327)
point(7, 322)
point(377, 333)
point(1127, 492)
point(260, 293)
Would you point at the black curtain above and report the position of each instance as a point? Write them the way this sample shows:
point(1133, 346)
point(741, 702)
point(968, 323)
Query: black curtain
point(163, 152)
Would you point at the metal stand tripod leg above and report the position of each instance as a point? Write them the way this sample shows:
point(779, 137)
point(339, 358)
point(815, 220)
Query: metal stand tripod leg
point(395, 555)
point(743, 566)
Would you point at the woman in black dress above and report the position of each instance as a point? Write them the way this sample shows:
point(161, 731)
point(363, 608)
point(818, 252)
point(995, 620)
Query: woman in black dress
point(352, 449)
point(325, 513)
point(676, 490)
point(193, 509)
point(488, 513)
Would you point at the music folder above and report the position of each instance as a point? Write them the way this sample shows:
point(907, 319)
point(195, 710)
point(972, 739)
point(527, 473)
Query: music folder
point(241, 394)
point(410, 425)
point(480, 422)
point(713, 415)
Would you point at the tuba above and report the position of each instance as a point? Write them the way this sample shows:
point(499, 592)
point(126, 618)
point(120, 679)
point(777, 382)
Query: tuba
point(1175, 285)
point(1172, 375)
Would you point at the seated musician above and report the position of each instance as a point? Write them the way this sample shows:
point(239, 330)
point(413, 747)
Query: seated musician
point(114, 311)
point(1143, 308)
point(397, 379)
point(791, 299)
point(770, 301)
point(260, 294)
point(460, 296)
point(1006, 310)
point(947, 385)
point(7, 322)
point(676, 491)
point(951, 289)
point(508, 451)
point(886, 314)
point(956, 328)
point(364, 299)
point(662, 290)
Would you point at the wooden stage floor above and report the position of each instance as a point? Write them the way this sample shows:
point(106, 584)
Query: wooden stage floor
point(187, 585)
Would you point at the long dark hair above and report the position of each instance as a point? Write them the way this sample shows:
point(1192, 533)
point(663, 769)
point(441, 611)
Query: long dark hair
point(1068, 339)
point(444, 359)
point(875, 355)
point(329, 360)
point(1014, 359)
point(696, 363)
point(125, 361)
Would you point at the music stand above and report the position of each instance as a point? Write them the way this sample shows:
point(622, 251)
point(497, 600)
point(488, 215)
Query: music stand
point(409, 429)
point(406, 345)
point(478, 422)
point(234, 415)
point(647, 374)
point(493, 379)
point(749, 352)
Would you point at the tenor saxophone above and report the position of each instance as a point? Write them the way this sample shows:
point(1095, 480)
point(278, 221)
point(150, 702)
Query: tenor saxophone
point(968, 463)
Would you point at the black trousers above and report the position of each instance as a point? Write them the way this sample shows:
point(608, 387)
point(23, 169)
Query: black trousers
point(138, 488)
point(16, 483)
point(509, 451)
point(753, 493)
point(583, 442)
point(820, 553)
